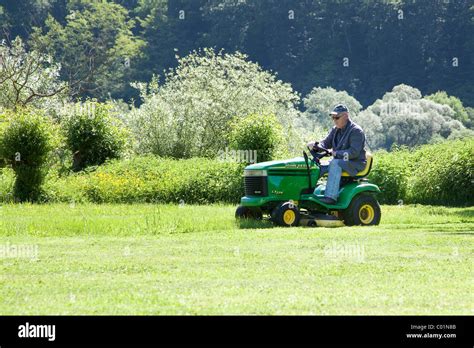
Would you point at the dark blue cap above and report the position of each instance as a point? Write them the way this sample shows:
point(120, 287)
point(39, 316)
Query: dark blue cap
point(338, 109)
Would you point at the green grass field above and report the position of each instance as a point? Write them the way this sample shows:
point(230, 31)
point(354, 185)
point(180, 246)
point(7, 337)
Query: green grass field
point(150, 259)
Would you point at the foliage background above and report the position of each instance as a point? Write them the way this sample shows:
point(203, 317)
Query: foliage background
point(385, 41)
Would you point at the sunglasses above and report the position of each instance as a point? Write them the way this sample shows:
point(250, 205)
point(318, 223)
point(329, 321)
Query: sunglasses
point(335, 117)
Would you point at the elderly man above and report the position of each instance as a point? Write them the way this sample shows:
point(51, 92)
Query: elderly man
point(347, 141)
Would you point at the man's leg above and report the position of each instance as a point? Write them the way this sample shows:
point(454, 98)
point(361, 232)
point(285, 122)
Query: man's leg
point(334, 179)
point(323, 169)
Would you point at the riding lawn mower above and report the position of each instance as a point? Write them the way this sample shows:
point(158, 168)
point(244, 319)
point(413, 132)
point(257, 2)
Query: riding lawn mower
point(283, 192)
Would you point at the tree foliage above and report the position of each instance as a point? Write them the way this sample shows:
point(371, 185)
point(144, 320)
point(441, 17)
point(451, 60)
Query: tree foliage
point(460, 114)
point(403, 117)
point(258, 132)
point(93, 135)
point(28, 78)
point(189, 114)
point(362, 47)
point(26, 142)
point(320, 101)
point(96, 47)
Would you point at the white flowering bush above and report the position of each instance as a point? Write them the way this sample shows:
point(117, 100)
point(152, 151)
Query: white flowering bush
point(320, 101)
point(403, 117)
point(189, 115)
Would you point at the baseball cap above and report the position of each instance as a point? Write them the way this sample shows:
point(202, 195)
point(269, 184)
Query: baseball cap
point(338, 109)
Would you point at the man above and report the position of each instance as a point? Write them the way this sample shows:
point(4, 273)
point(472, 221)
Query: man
point(347, 141)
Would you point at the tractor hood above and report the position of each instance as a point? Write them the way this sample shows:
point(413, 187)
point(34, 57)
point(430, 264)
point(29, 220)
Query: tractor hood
point(292, 163)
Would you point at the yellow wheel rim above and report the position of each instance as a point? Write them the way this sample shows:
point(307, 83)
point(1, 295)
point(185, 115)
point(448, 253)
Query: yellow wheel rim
point(366, 214)
point(289, 217)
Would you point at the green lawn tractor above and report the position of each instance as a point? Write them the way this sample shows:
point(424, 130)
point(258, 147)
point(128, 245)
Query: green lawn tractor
point(283, 192)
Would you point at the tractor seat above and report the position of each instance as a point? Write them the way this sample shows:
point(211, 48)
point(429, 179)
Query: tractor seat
point(364, 172)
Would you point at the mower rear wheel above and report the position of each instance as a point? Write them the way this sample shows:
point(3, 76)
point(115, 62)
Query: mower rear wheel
point(364, 210)
point(248, 213)
point(286, 214)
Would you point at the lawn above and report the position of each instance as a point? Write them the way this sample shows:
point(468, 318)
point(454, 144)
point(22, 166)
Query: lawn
point(171, 259)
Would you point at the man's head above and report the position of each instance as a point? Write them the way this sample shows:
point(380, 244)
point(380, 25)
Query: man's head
point(340, 115)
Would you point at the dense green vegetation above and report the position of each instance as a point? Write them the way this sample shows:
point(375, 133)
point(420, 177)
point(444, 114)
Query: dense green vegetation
point(25, 146)
point(172, 259)
point(439, 174)
point(432, 174)
point(190, 114)
point(93, 135)
point(363, 47)
point(262, 133)
point(78, 63)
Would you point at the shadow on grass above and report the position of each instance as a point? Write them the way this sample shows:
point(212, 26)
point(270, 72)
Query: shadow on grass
point(253, 224)
point(471, 234)
point(464, 213)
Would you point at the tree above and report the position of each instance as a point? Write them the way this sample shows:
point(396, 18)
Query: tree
point(4, 21)
point(28, 78)
point(96, 47)
point(470, 115)
point(25, 144)
point(189, 114)
point(320, 101)
point(363, 47)
point(169, 28)
point(403, 117)
point(259, 133)
point(93, 135)
point(23, 15)
point(441, 97)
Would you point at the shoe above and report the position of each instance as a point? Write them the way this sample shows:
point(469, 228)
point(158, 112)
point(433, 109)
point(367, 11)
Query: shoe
point(327, 200)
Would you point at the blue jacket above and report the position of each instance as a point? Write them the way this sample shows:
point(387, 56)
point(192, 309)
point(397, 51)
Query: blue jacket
point(350, 146)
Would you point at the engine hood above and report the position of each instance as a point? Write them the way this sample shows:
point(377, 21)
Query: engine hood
point(292, 163)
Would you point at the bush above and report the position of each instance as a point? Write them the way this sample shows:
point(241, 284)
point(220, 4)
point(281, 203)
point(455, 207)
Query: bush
point(390, 173)
point(26, 144)
point(7, 182)
point(152, 179)
point(443, 174)
point(257, 132)
point(189, 114)
point(93, 135)
point(433, 174)
point(439, 174)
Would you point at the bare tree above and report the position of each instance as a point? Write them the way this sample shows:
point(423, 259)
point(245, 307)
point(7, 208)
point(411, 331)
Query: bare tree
point(27, 77)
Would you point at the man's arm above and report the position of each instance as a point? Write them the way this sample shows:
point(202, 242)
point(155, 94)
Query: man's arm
point(326, 143)
point(356, 145)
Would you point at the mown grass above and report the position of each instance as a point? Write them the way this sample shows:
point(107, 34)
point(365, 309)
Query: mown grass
point(169, 259)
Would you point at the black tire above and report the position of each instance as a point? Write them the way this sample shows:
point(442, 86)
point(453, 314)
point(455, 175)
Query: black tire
point(364, 210)
point(286, 214)
point(248, 213)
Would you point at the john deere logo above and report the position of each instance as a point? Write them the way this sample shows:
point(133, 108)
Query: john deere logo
point(290, 165)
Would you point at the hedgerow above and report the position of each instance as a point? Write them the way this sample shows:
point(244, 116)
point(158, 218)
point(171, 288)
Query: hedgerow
point(154, 179)
point(440, 174)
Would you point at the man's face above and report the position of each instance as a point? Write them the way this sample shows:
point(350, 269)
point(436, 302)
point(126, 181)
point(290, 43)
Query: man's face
point(340, 119)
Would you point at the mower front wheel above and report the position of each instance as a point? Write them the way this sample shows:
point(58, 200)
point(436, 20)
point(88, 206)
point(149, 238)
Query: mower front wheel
point(248, 213)
point(286, 214)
